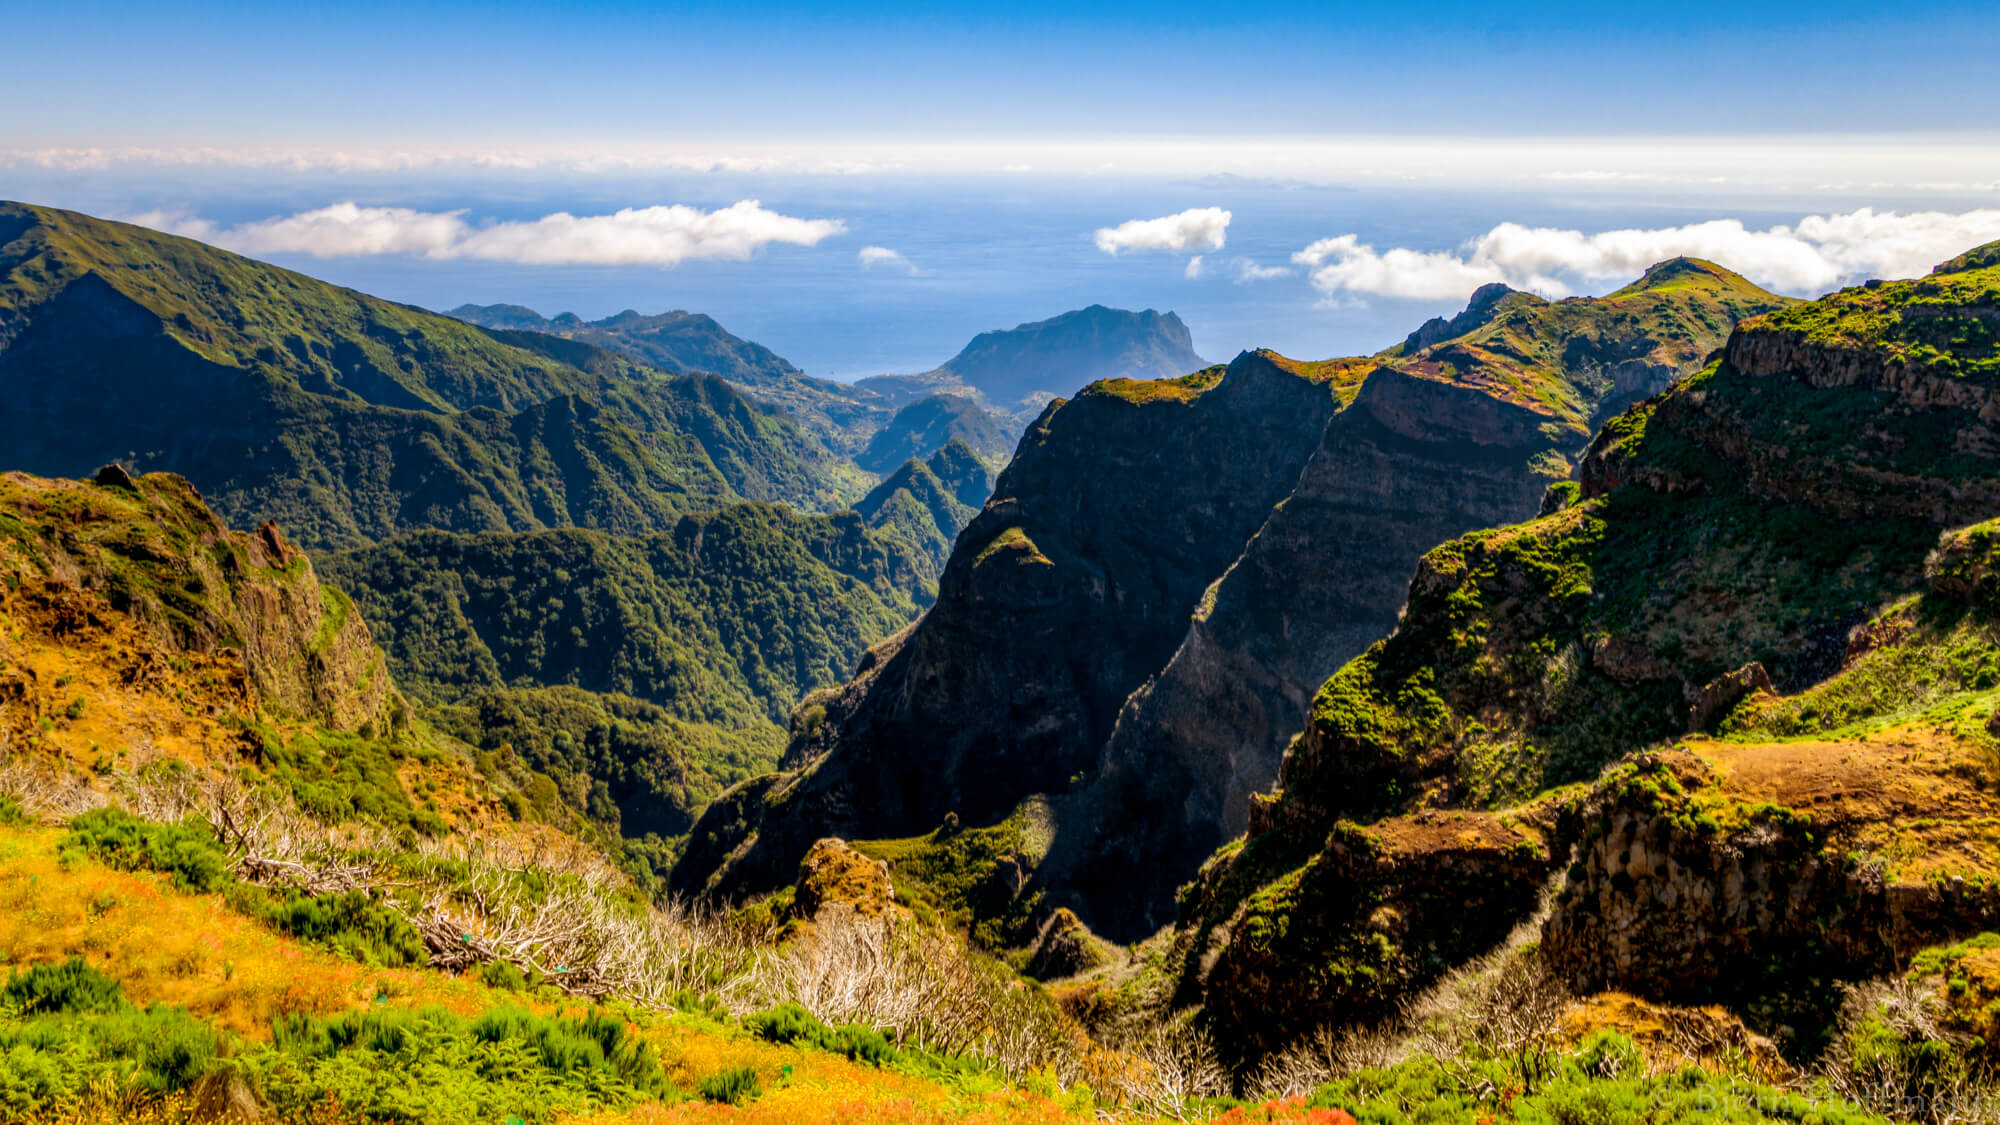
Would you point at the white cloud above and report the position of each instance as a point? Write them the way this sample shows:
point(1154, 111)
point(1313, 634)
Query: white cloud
point(1246, 270)
point(1194, 267)
point(1345, 264)
point(1198, 228)
point(1818, 254)
point(649, 236)
point(881, 256)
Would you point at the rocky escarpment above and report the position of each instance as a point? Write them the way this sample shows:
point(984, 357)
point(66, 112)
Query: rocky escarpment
point(1072, 586)
point(1687, 887)
point(1369, 916)
point(1171, 710)
point(131, 589)
point(1465, 430)
point(1812, 408)
point(1734, 538)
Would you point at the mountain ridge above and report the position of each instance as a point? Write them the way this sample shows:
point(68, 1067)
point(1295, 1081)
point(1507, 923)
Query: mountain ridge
point(1564, 683)
point(346, 417)
point(1380, 474)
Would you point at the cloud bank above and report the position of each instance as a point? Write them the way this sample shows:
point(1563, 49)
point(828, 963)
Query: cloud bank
point(641, 236)
point(1198, 228)
point(1817, 254)
point(881, 257)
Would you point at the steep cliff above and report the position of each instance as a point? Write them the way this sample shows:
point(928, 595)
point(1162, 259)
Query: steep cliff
point(1468, 429)
point(136, 618)
point(1071, 586)
point(1735, 540)
point(1163, 727)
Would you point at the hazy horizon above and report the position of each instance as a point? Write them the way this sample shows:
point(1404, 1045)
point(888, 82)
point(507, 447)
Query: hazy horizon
point(863, 189)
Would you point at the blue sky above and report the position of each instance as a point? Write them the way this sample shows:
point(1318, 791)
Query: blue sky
point(416, 71)
point(864, 187)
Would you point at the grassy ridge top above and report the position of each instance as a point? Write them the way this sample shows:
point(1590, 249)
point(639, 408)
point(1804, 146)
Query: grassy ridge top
point(1569, 359)
point(349, 417)
point(239, 312)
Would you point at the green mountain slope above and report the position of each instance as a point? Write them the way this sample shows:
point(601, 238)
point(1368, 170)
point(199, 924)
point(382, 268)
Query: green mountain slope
point(347, 417)
point(928, 425)
point(691, 343)
point(924, 504)
point(1741, 559)
point(677, 341)
point(655, 665)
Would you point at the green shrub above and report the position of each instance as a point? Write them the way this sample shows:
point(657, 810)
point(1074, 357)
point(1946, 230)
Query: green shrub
point(866, 1045)
point(70, 987)
point(793, 1025)
point(1602, 1081)
point(70, 1027)
point(188, 854)
point(11, 811)
point(429, 1066)
point(503, 975)
point(598, 1042)
point(352, 924)
point(731, 1087)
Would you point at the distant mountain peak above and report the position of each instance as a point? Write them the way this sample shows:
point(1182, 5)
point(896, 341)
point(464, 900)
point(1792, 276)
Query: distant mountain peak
point(1073, 349)
point(1674, 273)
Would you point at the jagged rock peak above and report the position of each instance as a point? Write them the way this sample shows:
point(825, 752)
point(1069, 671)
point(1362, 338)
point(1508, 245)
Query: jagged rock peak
point(1479, 311)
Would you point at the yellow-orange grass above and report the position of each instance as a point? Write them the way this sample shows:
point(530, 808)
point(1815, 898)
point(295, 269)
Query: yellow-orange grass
point(192, 951)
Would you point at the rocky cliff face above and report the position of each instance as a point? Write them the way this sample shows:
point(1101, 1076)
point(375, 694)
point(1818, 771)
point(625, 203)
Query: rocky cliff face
point(1110, 628)
point(129, 595)
point(1734, 539)
point(1072, 585)
point(1466, 430)
point(1707, 870)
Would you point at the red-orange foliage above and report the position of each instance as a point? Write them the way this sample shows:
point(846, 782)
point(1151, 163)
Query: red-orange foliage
point(1285, 1111)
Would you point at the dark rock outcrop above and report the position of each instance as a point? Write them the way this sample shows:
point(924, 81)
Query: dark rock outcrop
point(1071, 587)
point(1111, 618)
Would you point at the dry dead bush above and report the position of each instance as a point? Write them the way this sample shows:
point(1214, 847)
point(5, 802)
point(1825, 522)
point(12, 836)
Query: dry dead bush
point(1171, 1065)
point(1505, 1006)
point(1897, 1055)
point(45, 791)
point(555, 908)
point(921, 987)
point(1325, 1055)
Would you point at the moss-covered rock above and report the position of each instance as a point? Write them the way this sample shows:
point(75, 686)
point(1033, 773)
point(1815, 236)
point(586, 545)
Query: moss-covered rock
point(834, 874)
